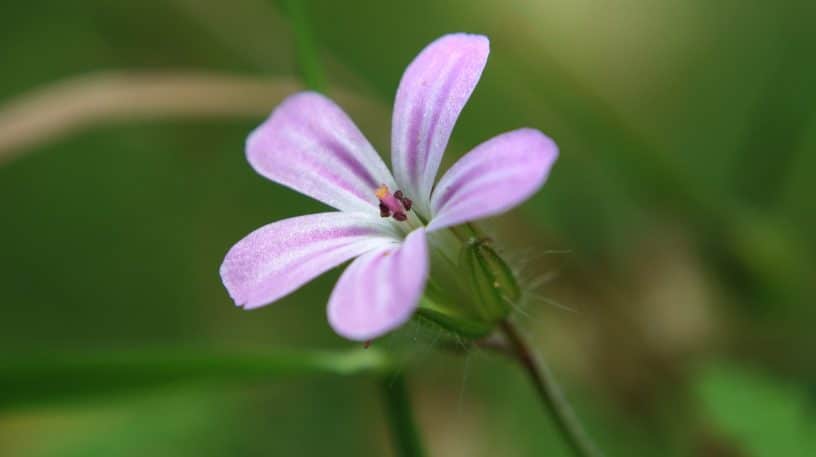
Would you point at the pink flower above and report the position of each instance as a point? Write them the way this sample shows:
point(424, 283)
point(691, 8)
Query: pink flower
point(310, 145)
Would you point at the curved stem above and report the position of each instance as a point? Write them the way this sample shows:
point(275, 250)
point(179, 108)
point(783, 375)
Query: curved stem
point(551, 395)
point(404, 432)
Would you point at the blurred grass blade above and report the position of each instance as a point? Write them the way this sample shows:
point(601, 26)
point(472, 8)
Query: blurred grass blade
point(781, 118)
point(46, 378)
point(92, 100)
point(305, 47)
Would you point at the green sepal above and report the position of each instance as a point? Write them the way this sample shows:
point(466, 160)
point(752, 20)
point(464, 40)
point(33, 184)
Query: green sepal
point(449, 319)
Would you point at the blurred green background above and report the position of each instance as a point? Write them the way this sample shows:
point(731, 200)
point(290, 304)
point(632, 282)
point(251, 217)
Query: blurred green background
point(669, 263)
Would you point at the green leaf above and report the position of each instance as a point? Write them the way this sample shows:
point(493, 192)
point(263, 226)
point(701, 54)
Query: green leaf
point(767, 416)
point(45, 378)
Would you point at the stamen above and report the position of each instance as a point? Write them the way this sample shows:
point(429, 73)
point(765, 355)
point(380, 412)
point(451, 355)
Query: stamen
point(384, 211)
point(393, 205)
point(406, 202)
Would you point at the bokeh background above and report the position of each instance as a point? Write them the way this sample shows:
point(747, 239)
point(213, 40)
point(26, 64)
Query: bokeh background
point(669, 263)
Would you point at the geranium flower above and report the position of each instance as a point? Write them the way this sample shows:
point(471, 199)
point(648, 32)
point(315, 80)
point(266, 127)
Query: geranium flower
point(310, 145)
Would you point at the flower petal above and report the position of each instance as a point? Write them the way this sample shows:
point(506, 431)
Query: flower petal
point(492, 178)
point(431, 94)
point(310, 145)
point(280, 257)
point(380, 290)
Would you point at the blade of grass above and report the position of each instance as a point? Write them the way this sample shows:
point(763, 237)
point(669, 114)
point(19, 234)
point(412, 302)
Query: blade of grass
point(781, 118)
point(42, 378)
point(305, 47)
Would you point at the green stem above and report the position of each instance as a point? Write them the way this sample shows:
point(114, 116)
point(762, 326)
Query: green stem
point(458, 234)
point(551, 394)
point(306, 50)
point(475, 232)
point(400, 417)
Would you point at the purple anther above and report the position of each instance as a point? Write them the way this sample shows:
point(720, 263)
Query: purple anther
point(384, 211)
point(393, 205)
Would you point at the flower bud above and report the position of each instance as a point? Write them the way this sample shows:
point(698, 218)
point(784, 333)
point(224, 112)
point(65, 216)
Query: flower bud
point(493, 285)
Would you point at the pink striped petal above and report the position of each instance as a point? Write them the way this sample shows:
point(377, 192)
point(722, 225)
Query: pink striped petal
point(380, 290)
point(492, 178)
point(280, 257)
point(310, 145)
point(431, 94)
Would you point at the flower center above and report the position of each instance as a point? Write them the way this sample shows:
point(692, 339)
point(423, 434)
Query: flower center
point(393, 205)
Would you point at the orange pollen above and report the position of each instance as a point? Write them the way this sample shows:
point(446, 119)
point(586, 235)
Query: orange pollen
point(382, 191)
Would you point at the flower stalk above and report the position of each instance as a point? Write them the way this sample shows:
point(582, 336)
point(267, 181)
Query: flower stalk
point(404, 433)
point(550, 393)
